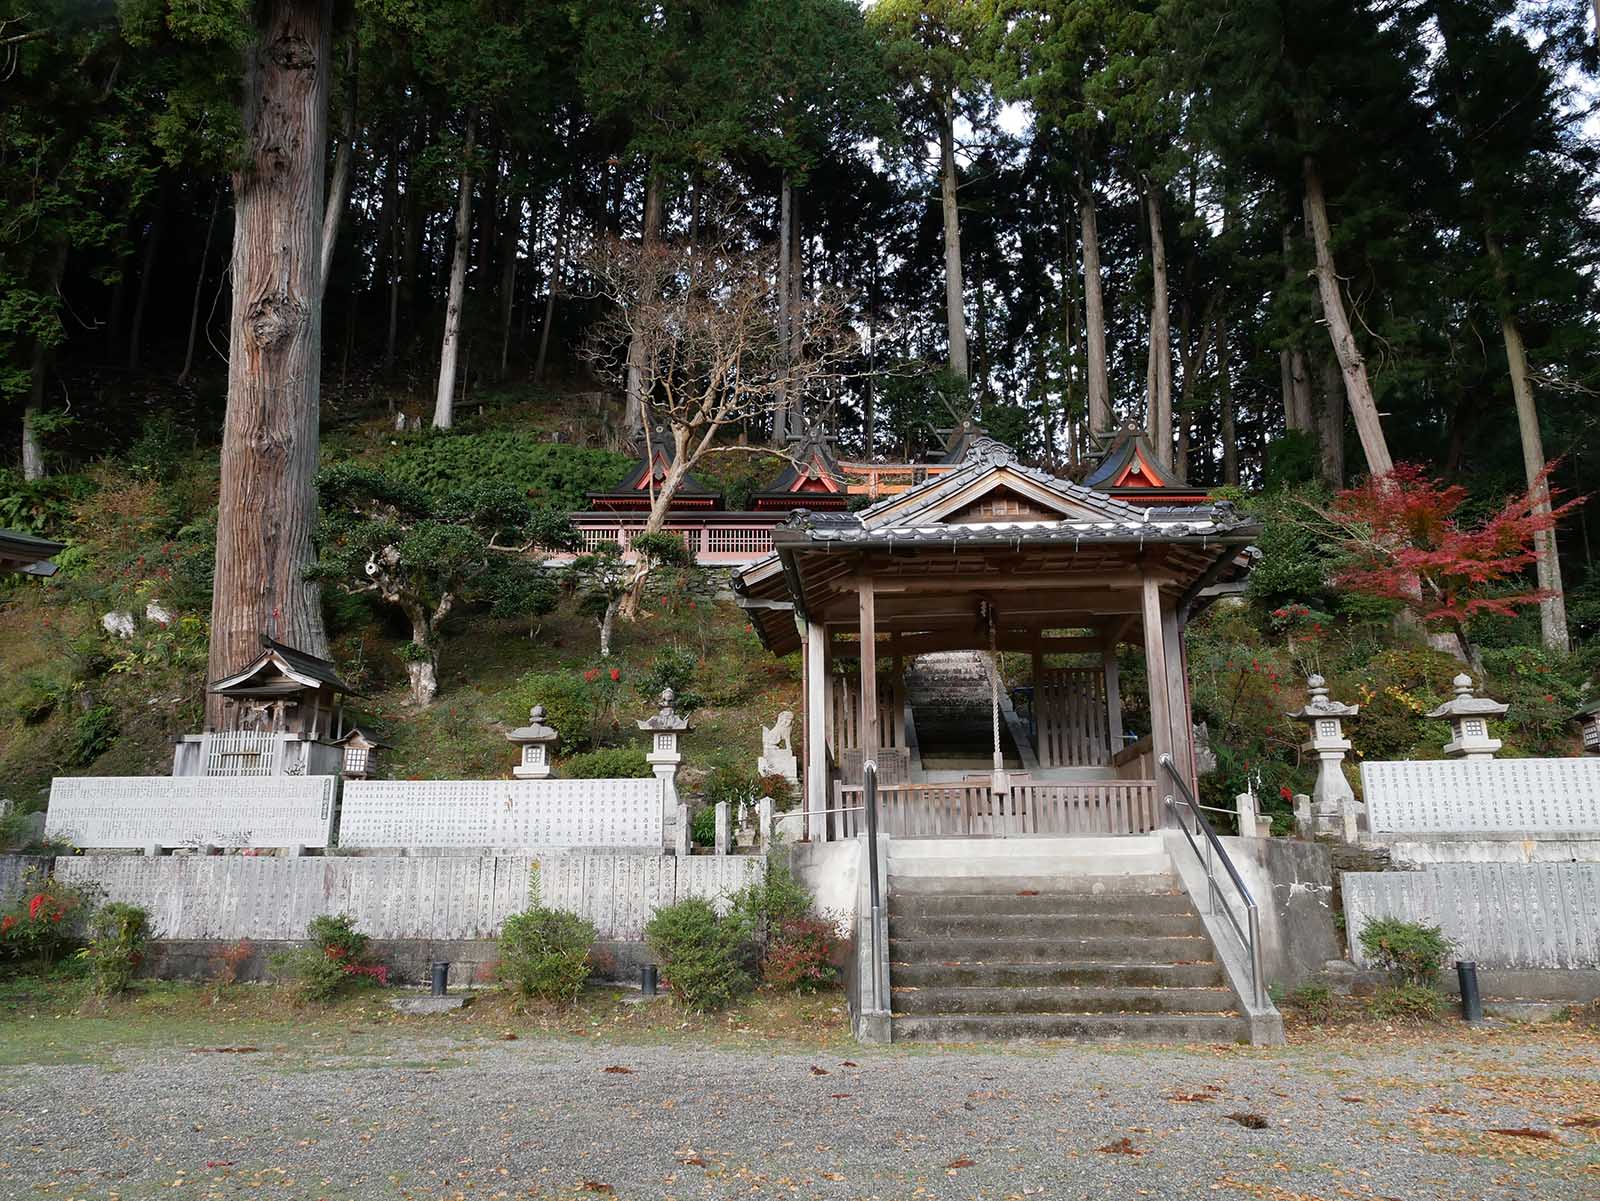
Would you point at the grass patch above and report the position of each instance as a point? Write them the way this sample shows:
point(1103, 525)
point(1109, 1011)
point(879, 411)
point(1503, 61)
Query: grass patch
point(48, 1020)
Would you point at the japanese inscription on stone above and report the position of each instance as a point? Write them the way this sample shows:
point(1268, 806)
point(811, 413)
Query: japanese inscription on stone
point(1419, 796)
point(192, 811)
point(501, 813)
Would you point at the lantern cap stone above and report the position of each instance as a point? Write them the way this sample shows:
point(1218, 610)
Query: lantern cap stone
point(1464, 704)
point(1318, 704)
point(535, 731)
point(665, 719)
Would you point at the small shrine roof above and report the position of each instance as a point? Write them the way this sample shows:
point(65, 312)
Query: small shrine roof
point(279, 670)
point(27, 553)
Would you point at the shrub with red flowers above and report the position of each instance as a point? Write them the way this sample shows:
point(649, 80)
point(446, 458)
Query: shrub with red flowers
point(338, 956)
point(800, 955)
point(44, 920)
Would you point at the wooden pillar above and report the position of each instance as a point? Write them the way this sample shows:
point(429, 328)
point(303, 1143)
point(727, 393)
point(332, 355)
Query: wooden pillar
point(1108, 664)
point(816, 667)
point(1155, 662)
point(1178, 695)
point(869, 736)
point(899, 701)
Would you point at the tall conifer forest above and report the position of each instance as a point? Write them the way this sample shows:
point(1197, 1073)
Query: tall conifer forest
point(1299, 242)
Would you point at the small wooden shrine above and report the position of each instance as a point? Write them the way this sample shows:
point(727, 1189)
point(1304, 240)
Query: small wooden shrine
point(284, 691)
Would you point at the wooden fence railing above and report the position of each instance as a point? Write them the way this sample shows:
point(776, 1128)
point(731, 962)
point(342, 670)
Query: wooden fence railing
point(975, 809)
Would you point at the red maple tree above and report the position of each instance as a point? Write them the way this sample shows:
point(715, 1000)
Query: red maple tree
point(1403, 538)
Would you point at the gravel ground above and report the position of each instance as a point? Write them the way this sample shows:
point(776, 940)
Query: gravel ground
point(428, 1117)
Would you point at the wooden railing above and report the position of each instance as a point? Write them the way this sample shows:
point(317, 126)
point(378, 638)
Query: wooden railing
point(712, 543)
point(976, 809)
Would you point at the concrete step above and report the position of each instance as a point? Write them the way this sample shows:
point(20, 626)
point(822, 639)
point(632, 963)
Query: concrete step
point(1052, 999)
point(1135, 927)
point(1036, 903)
point(1073, 973)
point(1104, 845)
point(947, 950)
point(1044, 865)
point(903, 885)
point(1163, 1028)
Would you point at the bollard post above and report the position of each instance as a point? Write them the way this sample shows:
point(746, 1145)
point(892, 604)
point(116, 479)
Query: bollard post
point(1471, 1002)
point(440, 973)
point(647, 979)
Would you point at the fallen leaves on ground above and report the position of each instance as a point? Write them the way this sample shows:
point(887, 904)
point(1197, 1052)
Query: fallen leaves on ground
point(961, 1162)
point(816, 1071)
point(1250, 1121)
point(617, 1069)
point(1120, 1146)
point(1522, 1132)
point(226, 1050)
point(596, 1186)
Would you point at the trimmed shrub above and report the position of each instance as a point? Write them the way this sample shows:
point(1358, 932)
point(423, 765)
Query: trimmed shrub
point(799, 956)
point(550, 473)
point(1315, 1001)
point(1411, 953)
point(544, 954)
point(118, 936)
point(1407, 1003)
point(335, 960)
point(571, 705)
point(764, 906)
point(607, 763)
point(702, 955)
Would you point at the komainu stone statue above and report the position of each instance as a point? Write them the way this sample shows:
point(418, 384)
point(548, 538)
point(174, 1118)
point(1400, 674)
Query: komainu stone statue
point(777, 750)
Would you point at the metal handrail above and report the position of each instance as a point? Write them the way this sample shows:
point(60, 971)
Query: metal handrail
point(879, 934)
point(1249, 934)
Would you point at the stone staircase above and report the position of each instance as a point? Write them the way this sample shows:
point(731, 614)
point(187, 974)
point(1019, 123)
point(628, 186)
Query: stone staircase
point(1080, 938)
point(948, 695)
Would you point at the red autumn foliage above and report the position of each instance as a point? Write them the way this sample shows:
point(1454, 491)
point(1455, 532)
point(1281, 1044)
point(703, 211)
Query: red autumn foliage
point(1404, 538)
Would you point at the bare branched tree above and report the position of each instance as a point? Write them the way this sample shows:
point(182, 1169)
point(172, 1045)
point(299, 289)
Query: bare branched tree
point(702, 318)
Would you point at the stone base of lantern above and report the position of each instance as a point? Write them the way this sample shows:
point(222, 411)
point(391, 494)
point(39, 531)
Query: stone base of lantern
point(541, 772)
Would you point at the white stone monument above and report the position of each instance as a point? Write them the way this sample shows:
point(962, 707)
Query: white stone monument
point(1469, 716)
point(1324, 719)
point(536, 740)
point(777, 750)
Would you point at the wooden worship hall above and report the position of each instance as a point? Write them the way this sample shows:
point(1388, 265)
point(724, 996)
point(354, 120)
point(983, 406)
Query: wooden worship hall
point(1021, 567)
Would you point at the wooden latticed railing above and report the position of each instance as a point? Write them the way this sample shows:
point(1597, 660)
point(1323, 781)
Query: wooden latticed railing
point(243, 753)
point(974, 809)
point(1070, 717)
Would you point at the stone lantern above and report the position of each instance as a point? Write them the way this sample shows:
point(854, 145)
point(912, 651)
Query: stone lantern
point(1588, 719)
point(537, 740)
point(1324, 719)
point(664, 726)
point(1469, 716)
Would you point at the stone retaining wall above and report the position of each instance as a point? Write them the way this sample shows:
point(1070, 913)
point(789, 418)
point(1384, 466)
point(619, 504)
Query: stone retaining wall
point(12, 869)
point(1528, 915)
point(224, 898)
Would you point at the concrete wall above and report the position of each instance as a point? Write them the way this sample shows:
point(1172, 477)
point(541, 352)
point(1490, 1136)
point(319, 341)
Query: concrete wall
point(831, 872)
point(1292, 884)
point(1544, 915)
point(226, 898)
point(12, 868)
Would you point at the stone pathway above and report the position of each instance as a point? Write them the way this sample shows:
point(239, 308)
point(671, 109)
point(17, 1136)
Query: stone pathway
point(432, 1117)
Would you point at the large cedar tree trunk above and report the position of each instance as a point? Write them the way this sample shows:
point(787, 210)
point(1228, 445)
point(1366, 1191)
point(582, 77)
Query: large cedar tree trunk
point(1160, 367)
point(444, 404)
point(954, 302)
point(1357, 388)
point(1094, 317)
point(269, 441)
point(1330, 424)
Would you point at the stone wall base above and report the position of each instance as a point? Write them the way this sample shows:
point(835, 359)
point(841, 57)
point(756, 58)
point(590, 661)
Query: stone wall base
point(471, 960)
